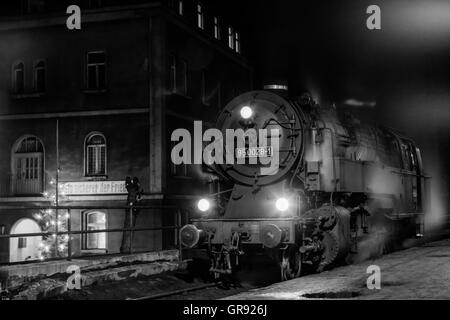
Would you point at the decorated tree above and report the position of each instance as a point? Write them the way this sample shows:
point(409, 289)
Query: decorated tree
point(53, 246)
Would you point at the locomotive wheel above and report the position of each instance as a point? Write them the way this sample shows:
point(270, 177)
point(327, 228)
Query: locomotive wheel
point(291, 263)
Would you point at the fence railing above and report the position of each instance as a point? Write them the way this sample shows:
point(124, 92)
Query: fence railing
point(127, 232)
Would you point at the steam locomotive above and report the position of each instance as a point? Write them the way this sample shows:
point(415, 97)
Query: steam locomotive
point(343, 190)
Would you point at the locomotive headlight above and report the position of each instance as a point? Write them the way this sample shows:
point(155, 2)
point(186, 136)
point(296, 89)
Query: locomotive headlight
point(246, 112)
point(203, 205)
point(282, 204)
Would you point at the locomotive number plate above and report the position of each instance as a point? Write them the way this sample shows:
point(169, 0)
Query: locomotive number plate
point(254, 152)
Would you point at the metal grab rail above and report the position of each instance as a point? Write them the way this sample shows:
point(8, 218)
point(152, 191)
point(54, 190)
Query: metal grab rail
point(69, 232)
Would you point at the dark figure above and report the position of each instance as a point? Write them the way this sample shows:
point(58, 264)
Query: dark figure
point(134, 197)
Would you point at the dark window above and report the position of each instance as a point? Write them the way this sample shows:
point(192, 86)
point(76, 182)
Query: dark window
point(173, 74)
point(19, 78)
point(32, 6)
point(95, 155)
point(96, 70)
point(204, 91)
point(95, 4)
point(39, 77)
point(30, 145)
point(180, 170)
point(183, 78)
point(22, 243)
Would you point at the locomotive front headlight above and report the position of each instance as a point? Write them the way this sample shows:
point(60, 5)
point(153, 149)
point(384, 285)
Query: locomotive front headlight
point(203, 205)
point(246, 112)
point(282, 204)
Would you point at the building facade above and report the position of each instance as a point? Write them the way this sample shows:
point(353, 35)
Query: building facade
point(100, 104)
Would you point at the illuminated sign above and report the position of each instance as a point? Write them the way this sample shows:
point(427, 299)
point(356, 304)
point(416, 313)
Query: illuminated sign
point(93, 187)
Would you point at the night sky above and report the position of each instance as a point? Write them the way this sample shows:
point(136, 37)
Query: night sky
point(397, 76)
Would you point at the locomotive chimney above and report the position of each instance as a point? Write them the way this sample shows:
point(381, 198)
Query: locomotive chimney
point(276, 87)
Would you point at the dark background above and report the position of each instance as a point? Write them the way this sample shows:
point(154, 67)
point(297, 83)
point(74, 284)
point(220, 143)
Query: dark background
point(397, 76)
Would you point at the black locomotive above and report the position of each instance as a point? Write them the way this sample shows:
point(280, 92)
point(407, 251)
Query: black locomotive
point(343, 190)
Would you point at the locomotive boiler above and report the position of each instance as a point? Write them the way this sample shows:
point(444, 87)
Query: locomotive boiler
point(342, 191)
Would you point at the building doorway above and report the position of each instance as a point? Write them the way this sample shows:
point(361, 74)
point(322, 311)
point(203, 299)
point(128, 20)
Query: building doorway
point(24, 248)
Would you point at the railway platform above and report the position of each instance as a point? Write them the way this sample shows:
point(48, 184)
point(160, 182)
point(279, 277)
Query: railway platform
point(421, 272)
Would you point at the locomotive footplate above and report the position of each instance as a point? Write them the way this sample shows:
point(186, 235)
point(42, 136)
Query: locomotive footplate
point(267, 232)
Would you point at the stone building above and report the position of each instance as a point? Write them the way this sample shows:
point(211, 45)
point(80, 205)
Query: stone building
point(103, 101)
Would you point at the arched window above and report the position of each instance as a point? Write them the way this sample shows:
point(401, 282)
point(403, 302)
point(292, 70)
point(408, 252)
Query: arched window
point(18, 78)
point(39, 77)
point(28, 166)
point(94, 220)
point(95, 150)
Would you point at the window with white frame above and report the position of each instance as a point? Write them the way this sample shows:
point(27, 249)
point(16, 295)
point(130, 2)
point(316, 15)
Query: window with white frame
point(230, 37)
point(200, 16)
point(39, 77)
point(96, 70)
point(18, 75)
point(94, 220)
point(216, 28)
point(95, 150)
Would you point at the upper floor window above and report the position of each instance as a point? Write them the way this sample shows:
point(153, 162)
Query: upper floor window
point(183, 78)
point(231, 37)
point(237, 40)
point(39, 77)
point(178, 75)
point(204, 94)
point(95, 150)
point(96, 70)
point(18, 78)
point(95, 4)
point(200, 16)
point(173, 73)
point(179, 170)
point(32, 6)
point(216, 28)
point(180, 7)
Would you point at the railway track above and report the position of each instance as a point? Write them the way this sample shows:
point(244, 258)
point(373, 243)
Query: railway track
point(176, 292)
